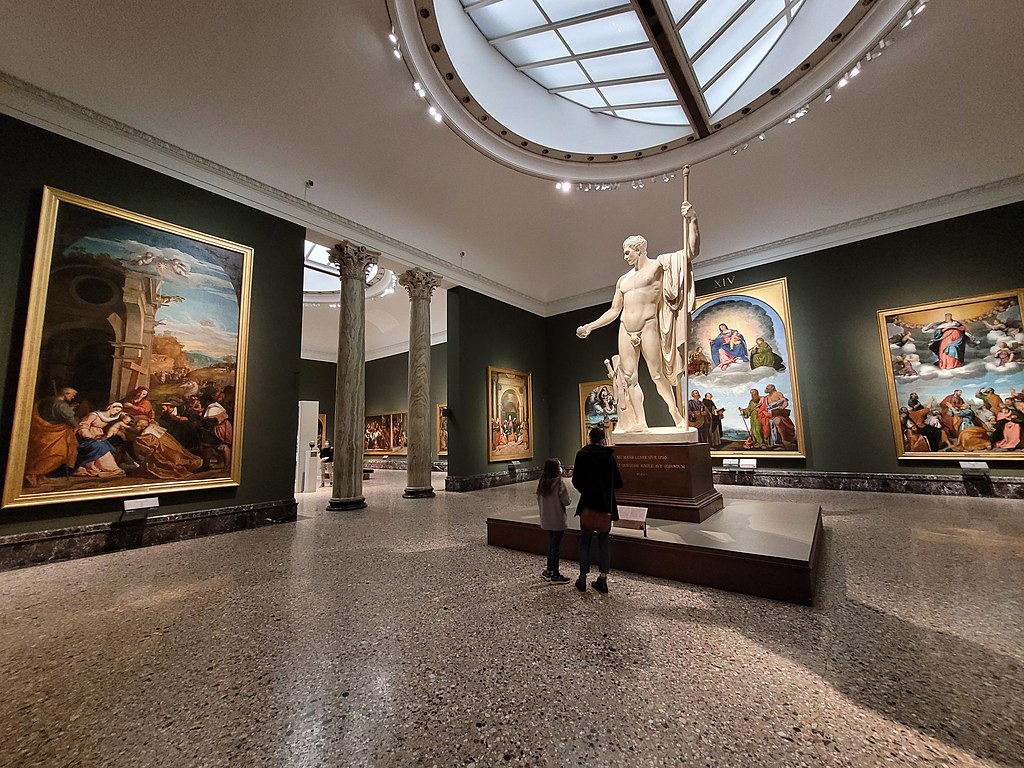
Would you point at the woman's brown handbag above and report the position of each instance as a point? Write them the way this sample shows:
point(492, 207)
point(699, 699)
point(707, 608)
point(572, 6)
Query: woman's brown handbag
point(598, 522)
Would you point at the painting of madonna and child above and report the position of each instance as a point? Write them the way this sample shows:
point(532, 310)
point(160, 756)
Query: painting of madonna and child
point(955, 372)
point(133, 368)
point(744, 399)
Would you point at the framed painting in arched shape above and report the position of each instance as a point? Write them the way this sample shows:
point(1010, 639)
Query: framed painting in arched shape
point(132, 373)
point(955, 374)
point(742, 363)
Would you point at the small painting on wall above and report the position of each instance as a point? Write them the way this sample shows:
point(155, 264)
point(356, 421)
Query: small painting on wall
point(598, 408)
point(509, 414)
point(442, 429)
point(955, 374)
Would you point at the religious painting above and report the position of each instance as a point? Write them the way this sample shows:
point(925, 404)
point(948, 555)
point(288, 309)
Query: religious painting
point(399, 432)
point(742, 364)
point(509, 414)
point(955, 375)
point(321, 430)
point(598, 408)
point(132, 373)
point(377, 434)
point(442, 429)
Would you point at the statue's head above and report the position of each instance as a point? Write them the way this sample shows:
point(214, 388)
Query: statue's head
point(634, 248)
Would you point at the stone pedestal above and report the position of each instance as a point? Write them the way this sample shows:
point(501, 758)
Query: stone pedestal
point(673, 481)
point(421, 285)
point(350, 393)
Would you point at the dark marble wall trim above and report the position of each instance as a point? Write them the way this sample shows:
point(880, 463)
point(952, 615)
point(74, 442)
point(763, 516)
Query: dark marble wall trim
point(437, 466)
point(38, 547)
point(491, 480)
point(932, 485)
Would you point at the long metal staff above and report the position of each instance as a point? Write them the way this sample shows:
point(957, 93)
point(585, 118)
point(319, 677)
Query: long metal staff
point(685, 288)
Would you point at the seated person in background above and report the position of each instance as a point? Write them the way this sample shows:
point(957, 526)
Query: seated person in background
point(327, 452)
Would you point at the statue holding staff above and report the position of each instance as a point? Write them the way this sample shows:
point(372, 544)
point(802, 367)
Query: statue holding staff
point(653, 301)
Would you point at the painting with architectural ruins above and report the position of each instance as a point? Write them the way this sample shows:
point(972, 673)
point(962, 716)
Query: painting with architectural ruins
point(133, 367)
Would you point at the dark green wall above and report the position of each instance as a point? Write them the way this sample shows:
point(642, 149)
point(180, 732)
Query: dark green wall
point(834, 296)
point(387, 384)
point(33, 158)
point(482, 332)
point(318, 381)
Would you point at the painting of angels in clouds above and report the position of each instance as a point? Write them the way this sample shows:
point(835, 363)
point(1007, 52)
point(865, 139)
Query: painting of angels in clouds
point(955, 372)
point(133, 370)
point(744, 398)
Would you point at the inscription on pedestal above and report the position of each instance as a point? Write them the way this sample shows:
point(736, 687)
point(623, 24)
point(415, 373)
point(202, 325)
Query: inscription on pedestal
point(672, 480)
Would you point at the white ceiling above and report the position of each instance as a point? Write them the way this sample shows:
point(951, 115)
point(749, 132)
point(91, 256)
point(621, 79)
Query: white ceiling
point(285, 92)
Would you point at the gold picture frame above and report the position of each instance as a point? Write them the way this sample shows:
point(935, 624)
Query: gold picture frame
point(509, 414)
point(598, 408)
point(742, 340)
point(133, 367)
point(954, 371)
point(441, 431)
point(385, 434)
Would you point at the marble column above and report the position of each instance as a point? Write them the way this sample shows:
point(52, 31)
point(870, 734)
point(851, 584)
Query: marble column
point(350, 392)
point(421, 285)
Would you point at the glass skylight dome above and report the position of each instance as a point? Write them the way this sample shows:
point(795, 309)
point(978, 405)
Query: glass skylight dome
point(608, 81)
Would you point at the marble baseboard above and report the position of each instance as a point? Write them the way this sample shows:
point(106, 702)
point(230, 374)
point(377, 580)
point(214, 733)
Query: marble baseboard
point(436, 466)
point(932, 485)
point(491, 480)
point(48, 546)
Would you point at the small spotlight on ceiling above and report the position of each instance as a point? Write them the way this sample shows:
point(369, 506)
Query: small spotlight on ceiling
point(842, 82)
point(398, 53)
point(921, 5)
point(393, 38)
point(432, 111)
point(828, 95)
point(855, 71)
point(907, 19)
point(761, 136)
point(437, 117)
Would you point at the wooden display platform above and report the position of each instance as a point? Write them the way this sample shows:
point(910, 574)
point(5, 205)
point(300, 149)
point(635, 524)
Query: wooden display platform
point(767, 549)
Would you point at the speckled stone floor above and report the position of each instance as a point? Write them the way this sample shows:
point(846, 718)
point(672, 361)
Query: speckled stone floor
point(394, 636)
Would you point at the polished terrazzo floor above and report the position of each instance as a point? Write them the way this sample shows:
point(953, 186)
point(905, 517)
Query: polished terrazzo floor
point(394, 636)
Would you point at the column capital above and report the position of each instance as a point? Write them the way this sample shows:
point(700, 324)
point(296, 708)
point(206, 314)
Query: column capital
point(352, 260)
point(419, 283)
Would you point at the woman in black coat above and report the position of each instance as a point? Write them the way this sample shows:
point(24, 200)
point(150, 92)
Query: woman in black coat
point(596, 476)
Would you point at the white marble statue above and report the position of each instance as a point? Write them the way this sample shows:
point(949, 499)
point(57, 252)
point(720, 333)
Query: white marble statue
point(654, 300)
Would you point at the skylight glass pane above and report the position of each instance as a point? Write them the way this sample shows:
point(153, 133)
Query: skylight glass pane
point(796, 6)
point(558, 75)
point(313, 280)
point(734, 77)
point(539, 47)
point(616, 66)
point(657, 115)
point(588, 98)
point(680, 8)
point(320, 253)
point(601, 34)
point(639, 93)
point(706, 22)
point(558, 10)
point(742, 31)
point(506, 17)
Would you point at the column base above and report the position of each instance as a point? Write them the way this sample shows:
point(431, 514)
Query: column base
point(419, 493)
point(335, 505)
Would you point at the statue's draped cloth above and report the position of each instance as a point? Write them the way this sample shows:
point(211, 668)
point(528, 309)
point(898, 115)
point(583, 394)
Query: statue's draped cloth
point(677, 302)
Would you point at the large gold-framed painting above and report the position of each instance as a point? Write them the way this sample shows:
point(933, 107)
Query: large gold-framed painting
point(742, 363)
point(385, 433)
point(509, 414)
point(132, 373)
point(442, 429)
point(955, 374)
point(598, 408)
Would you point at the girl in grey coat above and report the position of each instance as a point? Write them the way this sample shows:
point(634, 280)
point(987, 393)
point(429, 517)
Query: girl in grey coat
point(553, 498)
